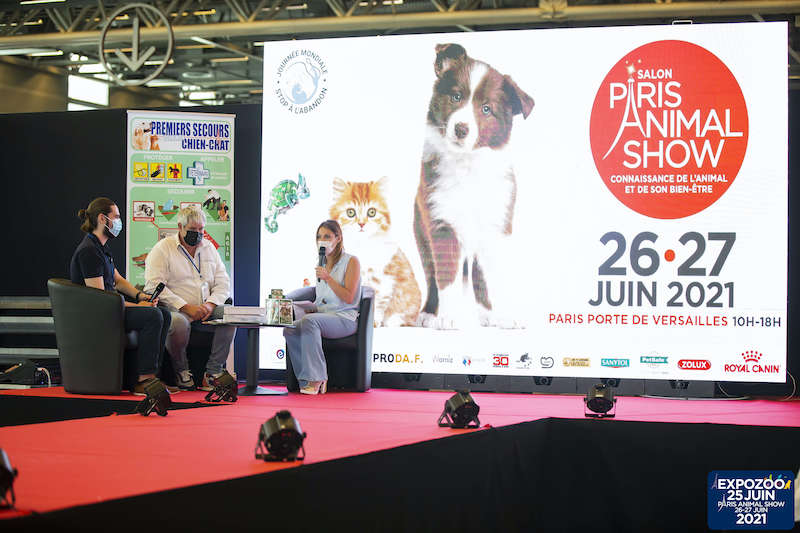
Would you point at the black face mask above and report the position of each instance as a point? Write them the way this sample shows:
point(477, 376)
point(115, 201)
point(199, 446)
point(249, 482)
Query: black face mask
point(193, 238)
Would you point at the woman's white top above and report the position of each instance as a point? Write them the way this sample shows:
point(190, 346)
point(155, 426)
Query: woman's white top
point(328, 302)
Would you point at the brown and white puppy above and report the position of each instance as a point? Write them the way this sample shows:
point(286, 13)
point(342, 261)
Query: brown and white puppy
point(465, 202)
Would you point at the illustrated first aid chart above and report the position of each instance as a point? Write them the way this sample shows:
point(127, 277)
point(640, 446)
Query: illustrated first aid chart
point(625, 192)
point(175, 160)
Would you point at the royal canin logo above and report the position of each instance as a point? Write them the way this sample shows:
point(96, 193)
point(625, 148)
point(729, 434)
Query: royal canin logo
point(694, 364)
point(751, 365)
point(751, 356)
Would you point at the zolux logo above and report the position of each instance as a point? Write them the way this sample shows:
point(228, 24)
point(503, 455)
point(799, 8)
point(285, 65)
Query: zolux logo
point(694, 364)
point(669, 129)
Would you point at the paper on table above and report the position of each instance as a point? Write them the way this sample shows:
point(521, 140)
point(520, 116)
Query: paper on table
point(302, 307)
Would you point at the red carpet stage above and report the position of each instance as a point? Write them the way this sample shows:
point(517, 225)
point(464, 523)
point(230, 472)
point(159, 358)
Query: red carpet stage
point(378, 460)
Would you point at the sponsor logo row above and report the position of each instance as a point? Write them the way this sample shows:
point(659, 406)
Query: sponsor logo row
point(749, 362)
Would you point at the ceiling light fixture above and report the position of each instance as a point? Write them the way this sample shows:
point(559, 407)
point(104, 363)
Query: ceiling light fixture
point(231, 82)
point(163, 83)
point(229, 48)
point(21, 51)
point(202, 95)
point(158, 62)
point(196, 75)
point(47, 53)
point(229, 59)
point(91, 68)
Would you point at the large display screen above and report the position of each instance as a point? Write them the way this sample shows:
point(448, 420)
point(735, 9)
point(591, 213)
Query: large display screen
point(598, 202)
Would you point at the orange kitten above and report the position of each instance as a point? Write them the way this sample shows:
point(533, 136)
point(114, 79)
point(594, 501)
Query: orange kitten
point(361, 210)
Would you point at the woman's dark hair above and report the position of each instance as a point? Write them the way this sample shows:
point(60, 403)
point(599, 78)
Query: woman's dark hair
point(336, 229)
point(98, 206)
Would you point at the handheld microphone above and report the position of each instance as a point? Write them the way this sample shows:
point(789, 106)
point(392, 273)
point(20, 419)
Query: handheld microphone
point(157, 292)
point(321, 258)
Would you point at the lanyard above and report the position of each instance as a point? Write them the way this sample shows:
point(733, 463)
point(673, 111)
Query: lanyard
point(188, 258)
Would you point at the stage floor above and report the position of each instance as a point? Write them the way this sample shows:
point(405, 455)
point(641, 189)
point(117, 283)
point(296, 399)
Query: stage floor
point(82, 461)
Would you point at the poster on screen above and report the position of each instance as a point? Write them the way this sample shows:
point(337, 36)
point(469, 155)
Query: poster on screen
point(595, 202)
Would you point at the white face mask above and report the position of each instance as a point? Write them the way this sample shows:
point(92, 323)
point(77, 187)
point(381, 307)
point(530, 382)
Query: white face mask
point(116, 227)
point(327, 245)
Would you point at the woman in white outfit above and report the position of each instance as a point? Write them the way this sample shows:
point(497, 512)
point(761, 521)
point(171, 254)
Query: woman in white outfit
point(333, 315)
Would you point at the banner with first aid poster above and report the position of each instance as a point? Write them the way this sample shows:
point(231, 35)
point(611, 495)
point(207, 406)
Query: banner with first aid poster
point(596, 202)
point(175, 160)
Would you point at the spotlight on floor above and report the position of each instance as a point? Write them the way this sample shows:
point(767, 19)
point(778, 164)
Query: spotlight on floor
point(460, 411)
point(280, 439)
point(600, 401)
point(7, 475)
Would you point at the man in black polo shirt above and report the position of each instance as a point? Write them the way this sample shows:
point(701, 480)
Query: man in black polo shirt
point(92, 265)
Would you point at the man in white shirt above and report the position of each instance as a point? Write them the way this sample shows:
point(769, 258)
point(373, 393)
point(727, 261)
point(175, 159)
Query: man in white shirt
point(196, 287)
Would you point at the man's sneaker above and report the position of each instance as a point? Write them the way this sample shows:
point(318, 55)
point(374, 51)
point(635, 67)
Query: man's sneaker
point(223, 387)
point(186, 380)
point(156, 397)
point(208, 380)
point(140, 389)
point(207, 383)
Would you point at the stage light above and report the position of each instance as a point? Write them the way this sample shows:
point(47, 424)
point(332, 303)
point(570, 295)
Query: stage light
point(600, 401)
point(7, 475)
point(280, 439)
point(460, 411)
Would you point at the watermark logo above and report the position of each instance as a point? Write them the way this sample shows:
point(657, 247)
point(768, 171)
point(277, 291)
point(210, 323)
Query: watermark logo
point(750, 499)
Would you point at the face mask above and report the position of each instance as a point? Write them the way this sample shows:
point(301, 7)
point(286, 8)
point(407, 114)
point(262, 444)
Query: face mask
point(115, 229)
point(327, 245)
point(192, 238)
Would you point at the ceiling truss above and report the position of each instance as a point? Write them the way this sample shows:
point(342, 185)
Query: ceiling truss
point(228, 30)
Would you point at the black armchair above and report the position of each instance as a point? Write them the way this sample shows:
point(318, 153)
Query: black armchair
point(91, 338)
point(349, 359)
